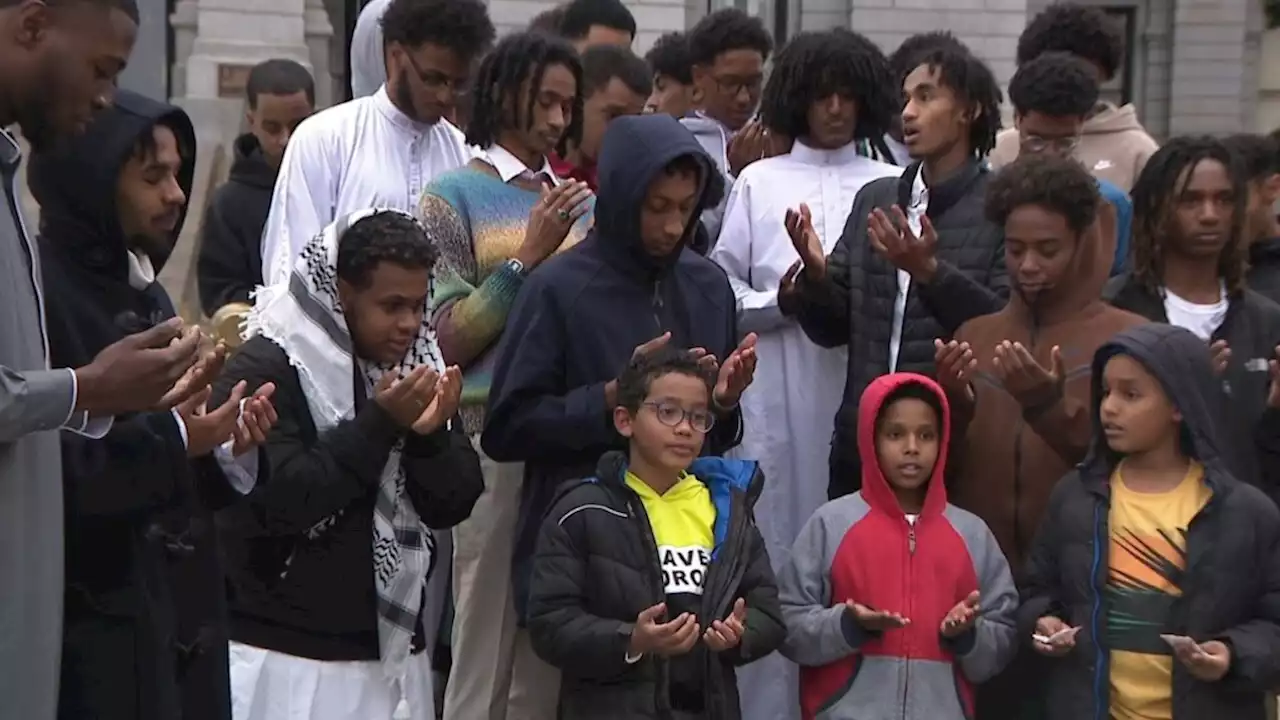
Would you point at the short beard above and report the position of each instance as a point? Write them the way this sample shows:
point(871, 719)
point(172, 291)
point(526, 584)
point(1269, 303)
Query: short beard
point(404, 99)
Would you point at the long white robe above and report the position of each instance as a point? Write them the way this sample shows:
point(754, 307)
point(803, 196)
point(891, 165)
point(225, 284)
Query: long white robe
point(363, 153)
point(789, 410)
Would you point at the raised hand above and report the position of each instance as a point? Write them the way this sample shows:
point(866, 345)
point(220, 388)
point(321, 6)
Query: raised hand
point(753, 142)
point(406, 398)
point(1025, 379)
point(955, 365)
point(799, 225)
point(894, 240)
point(645, 348)
point(206, 430)
point(1207, 662)
point(200, 375)
point(961, 618)
point(550, 219)
point(873, 620)
point(1220, 353)
point(676, 637)
point(448, 394)
point(1053, 637)
point(138, 372)
point(736, 373)
point(727, 634)
point(257, 417)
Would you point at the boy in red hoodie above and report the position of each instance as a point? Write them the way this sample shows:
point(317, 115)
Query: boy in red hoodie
point(895, 601)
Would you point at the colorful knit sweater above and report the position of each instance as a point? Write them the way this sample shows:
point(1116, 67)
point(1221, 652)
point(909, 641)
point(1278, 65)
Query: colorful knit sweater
point(477, 222)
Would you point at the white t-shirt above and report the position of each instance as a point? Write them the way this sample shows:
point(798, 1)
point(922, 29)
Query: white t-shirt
point(1202, 320)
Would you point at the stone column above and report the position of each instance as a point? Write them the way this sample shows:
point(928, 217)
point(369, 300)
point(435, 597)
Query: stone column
point(233, 35)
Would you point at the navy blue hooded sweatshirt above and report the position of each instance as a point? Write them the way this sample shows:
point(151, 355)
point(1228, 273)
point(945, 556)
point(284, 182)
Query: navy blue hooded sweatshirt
point(144, 633)
point(582, 313)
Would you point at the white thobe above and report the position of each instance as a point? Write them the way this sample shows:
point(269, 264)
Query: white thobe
point(368, 55)
point(363, 153)
point(789, 411)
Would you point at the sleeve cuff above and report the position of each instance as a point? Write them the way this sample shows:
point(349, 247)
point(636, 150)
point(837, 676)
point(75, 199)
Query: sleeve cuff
point(182, 427)
point(964, 643)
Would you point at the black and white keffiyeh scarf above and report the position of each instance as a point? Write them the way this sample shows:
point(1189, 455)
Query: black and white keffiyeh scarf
point(304, 317)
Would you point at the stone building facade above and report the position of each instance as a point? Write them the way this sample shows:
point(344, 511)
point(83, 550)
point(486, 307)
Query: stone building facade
point(1192, 65)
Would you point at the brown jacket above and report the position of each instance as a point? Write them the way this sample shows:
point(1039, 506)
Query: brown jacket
point(1012, 456)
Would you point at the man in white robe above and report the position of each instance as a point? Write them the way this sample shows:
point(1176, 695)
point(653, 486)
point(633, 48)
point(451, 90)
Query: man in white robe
point(829, 91)
point(381, 150)
point(368, 54)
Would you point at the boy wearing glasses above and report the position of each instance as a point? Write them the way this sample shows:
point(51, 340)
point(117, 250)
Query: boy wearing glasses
point(1052, 97)
point(650, 580)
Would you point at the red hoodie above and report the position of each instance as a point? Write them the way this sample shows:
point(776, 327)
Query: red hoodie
point(862, 547)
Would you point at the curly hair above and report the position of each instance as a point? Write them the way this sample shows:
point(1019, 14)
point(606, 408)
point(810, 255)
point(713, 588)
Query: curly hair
point(815, 65)
point(1055, 183)
point(462, 26)
point(908, 55)
point(386, 236)
point(1155, 194)
point(1080, 30)
point(641, 371)
point(1056, 84)
point(974, 85)
point(516, 58)
point(602, 63)
point(548, 21)
point(1258, 154)
point(581, 15)
point(669, 57)
point(724, 31)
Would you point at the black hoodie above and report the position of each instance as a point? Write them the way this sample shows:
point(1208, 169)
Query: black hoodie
point(580, 315)
point(230, 263)
point(144, 629)
point(1231, 584)
point(1264, 268)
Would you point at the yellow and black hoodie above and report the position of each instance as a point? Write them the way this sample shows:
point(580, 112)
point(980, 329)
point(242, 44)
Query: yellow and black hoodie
point(611, 547)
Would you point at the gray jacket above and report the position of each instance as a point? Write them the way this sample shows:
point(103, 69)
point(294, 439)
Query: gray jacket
point(714, 138)
point(34, 403)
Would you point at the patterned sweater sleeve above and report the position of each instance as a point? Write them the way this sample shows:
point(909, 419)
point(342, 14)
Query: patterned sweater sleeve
point(468, 314)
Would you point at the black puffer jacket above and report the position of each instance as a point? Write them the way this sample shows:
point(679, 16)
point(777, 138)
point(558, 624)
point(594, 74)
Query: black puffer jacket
point(854, 305)
point(596, 568)
point(1231, 585)
point(1252, 331)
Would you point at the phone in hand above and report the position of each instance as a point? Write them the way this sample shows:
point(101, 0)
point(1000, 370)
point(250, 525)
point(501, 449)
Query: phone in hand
point(1182, 643)
point(1057, 638)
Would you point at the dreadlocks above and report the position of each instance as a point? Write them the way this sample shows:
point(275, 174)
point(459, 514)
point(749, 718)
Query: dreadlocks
point(1165, 177)
point(973, 84)
point(817, 65)
point(518, 58)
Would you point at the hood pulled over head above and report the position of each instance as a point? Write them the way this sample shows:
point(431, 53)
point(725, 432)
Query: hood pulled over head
point(1181, 363)
point(634, 151)
point(875, 488)
point(76, 184)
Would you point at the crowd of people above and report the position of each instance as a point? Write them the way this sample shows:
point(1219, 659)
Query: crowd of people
point(551, 381)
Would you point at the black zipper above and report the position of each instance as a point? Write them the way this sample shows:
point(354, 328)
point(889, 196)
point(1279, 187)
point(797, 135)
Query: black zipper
point(656, 304)
point(635, 509)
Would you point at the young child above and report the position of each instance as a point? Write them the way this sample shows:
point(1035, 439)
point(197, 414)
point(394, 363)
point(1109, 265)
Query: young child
point(1155, 577)
point(896, 602)
point(650, 580)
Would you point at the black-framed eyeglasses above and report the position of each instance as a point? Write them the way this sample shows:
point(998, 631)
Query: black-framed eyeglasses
point(732, 86)
point(1061, 145)
point(671, 415)
point(436, 81)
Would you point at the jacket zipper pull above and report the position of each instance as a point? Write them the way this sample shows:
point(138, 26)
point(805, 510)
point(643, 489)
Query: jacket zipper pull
point(911, 540)
point(656, 303)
